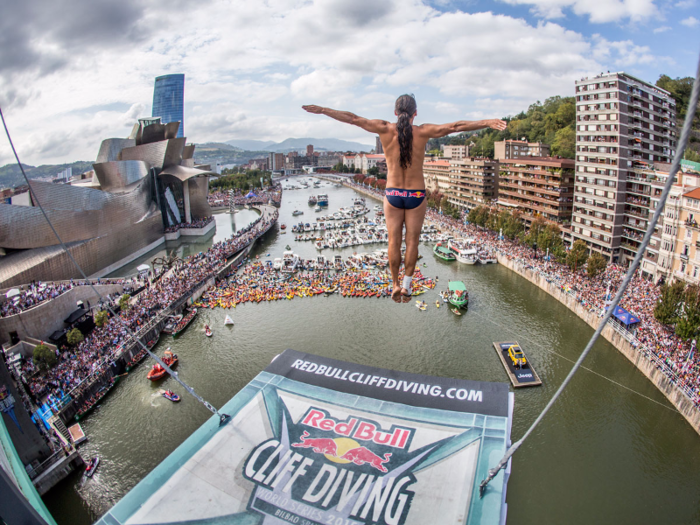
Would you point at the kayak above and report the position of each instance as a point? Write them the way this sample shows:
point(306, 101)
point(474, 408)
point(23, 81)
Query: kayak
point(456, 311)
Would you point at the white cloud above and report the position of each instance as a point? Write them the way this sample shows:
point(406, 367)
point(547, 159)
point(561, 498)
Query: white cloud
point(249, 66)
point(595, 10)
point(691, 21)
point(685, 4)
point(661, 29)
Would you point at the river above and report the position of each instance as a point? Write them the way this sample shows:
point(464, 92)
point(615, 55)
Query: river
point(603, 454)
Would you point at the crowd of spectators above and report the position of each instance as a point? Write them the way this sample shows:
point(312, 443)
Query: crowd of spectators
point(104, 344)
point(658, 341)
point(38, 292)
point(197, 223)
point(241, 198)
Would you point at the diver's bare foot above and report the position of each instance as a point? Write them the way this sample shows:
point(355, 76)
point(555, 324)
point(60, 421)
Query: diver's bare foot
point(405, 295)
point(396, 294)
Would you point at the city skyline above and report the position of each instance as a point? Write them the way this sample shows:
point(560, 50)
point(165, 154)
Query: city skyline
point(250, 67)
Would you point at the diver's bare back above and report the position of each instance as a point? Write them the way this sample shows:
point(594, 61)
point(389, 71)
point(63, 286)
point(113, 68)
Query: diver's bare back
point(397, 177)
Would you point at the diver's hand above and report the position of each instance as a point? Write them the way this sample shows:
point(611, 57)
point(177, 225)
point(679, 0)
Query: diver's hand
point(317, 110)
point(497, 124)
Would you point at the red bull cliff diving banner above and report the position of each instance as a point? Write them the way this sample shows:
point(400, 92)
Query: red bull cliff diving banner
point(315, 441)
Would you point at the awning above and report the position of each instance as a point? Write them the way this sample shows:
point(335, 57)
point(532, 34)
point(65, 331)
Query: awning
point(625, 317)
point(12, 293)
point(250, 195)
point(143, 268)
point(77, 314)
point(57, 335)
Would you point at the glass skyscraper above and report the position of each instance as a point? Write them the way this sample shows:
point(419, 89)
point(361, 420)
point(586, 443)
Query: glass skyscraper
point(169, 100)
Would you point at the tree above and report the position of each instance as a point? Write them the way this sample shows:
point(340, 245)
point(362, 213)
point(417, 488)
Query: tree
point(370, 181)
point(479, 216)
point(381, 184)
point(536, 228)
point(74, 337)
point(564, 143)
point(577, 255)
point(101, 318)
point(550, 239)
point(44, 358)
point(124, 302)
point(688, 324)
point(359, 178)
point(666, 310)
point(373, 171)
point(596, 265)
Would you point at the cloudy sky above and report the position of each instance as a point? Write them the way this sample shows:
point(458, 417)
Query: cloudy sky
point(75, 72)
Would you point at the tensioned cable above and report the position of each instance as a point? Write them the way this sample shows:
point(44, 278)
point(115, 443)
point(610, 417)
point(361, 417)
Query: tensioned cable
point(683, 142)
point(223, 418)
point(550, 351)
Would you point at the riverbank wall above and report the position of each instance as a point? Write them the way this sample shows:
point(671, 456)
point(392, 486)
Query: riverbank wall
point(645, 364)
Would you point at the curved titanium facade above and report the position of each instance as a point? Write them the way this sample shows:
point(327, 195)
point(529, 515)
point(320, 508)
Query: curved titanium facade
point(115, 176)
point(111, 148)
point(169, 100)
point(104, 214)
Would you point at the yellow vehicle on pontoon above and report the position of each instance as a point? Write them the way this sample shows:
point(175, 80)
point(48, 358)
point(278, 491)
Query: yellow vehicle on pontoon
point(517, 356)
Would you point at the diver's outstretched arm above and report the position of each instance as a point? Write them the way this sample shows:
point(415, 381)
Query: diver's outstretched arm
point(434, 131)
point(373, 126)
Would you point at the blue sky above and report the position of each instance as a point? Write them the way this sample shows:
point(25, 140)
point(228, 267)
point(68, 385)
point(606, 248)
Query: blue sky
point(76, 73)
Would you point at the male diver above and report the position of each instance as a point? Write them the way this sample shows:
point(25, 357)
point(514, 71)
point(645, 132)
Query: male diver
point(404, 200)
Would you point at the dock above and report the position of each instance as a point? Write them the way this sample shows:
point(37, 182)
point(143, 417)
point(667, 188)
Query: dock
point(520, 377)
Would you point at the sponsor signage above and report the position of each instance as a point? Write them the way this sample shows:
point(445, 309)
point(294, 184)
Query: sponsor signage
point(314, 440)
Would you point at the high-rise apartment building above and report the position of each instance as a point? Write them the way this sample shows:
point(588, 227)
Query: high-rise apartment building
point(537, 186)
point(310, 150)
point(473, 181)
point(621, 123)
point(515, 149)
point(169, 100)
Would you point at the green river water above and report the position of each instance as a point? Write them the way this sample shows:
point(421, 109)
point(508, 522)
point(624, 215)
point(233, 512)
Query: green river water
point(602, 455)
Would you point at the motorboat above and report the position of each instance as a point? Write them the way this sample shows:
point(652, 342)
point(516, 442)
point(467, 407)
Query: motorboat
point(169, 327)
point(228, 321)
point(207, 331)
point(170, 395)
point(283, 226)
point(277, 263)
point(92, 466)
point(322, 200)
point(312, 200)
point(158, 372)
point(297, 212)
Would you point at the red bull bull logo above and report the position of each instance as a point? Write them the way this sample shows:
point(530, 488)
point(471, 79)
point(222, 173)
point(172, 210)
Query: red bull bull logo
point(343, 450)
point(417, 194)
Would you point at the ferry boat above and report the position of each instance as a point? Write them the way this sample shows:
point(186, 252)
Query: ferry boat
point(487, 257)
point(458, 296)
point(443, 252)
point(322, 200)
point(312, 200)
point(465, 251)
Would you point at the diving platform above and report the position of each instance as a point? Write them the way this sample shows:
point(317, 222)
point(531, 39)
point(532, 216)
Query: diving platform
point(520, 376)
point(313, 440)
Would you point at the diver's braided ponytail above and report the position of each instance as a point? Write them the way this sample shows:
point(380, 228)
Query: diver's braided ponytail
point(405, 108)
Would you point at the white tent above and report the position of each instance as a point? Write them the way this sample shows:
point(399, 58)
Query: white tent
point(12, 292)
point(143, 268)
